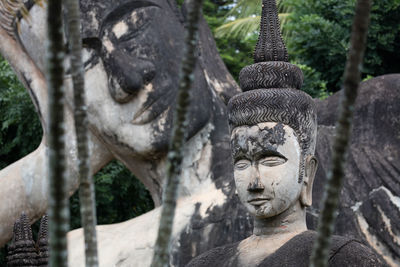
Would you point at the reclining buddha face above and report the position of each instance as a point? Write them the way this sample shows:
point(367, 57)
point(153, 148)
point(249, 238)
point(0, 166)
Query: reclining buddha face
point(132, 56)
point(266, 167)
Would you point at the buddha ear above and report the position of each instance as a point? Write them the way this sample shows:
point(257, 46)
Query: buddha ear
point(310, 168)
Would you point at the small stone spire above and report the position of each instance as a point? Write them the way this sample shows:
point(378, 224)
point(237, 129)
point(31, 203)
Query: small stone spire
point(270, 45)
point(42, 243)
point(22, 251)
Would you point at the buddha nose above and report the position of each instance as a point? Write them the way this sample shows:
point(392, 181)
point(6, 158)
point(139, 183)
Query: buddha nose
point(255, 186)
point(131, 72)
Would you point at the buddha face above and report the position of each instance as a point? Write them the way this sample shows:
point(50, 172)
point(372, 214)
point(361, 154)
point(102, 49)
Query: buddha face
point(266, 167)
point(132, 55)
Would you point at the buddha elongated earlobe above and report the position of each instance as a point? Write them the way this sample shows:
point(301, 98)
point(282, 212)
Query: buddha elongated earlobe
point(311, 164)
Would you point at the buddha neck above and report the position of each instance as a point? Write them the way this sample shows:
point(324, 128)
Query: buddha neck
point(293, 220)
point(270, 234)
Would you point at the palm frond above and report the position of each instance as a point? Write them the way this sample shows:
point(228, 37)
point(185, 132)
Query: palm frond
point(239, 28)
point(246, 8)
point(243, 28)
point(243, 19)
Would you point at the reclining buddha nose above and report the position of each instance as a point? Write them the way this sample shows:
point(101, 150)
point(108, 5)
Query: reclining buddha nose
point(130, 73)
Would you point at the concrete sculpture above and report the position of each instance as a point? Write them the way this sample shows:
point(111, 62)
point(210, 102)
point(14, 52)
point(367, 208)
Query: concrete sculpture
point(129, 120)
point(273, 139)
point(23, 251)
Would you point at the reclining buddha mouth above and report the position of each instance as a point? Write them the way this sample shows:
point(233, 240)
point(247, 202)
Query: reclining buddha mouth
point(153, 108)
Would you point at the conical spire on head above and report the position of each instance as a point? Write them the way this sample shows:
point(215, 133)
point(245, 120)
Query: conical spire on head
point(271, 86)
point(270, 46)
point(271, 68)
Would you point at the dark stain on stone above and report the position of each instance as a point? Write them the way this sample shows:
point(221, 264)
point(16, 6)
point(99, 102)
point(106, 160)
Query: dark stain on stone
point(247, 143)
point(275, 136)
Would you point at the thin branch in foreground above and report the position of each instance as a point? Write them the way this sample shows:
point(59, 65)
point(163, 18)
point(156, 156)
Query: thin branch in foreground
point(86, 190)
point(352, 76)
point(175, 155)
point(58, 199)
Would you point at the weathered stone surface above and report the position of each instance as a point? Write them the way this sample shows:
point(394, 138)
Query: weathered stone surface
point(207, 178)
point(370, 203)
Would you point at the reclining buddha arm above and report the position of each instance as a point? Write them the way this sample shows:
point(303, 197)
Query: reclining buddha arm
point(23, 184)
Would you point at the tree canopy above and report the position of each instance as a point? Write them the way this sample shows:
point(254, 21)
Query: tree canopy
point(319, 33)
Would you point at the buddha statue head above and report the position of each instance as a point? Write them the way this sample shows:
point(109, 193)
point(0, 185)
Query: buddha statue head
point(132, 52)
point(273, 129)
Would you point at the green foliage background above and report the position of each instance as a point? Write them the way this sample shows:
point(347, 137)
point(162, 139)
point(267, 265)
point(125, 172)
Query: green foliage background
point(119, 196)
point(20, 129)
point(317, 38)
point(319, 34)
point(236, 53)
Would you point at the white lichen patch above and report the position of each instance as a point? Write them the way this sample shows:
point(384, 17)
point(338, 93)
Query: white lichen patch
point(214, 200)
point(374, 241)
point(116, 248)
point(356, 206)
point(370, 237)
point(196, 162)
point(139, 111)
point(93, 19)
point(120, 29)
point(216, 84)
point(108, 45)
point(208, 196)
point(388, 225)
point(395, 199)
point(134, 17)
point(162, 122)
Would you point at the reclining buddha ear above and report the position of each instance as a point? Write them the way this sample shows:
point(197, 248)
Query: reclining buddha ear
point(217, 76)
point(310, 169)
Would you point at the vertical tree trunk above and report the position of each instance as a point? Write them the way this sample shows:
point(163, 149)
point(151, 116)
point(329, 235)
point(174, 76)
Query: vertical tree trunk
point(161, 255)
point(58, 200)
point(86, 190)
point(351, 82)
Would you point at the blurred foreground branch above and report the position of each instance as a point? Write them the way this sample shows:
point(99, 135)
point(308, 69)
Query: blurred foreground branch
point(352, 76)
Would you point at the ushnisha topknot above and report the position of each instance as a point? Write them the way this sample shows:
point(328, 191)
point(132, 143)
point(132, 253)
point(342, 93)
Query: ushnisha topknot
point(272, 74)
point(270, 45)
point(272, 68)
point(271, 87)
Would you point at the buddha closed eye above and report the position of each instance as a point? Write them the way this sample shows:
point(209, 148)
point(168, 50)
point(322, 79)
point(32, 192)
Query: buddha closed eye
point(128, 26)
point(134, 23)
point(269, 160)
